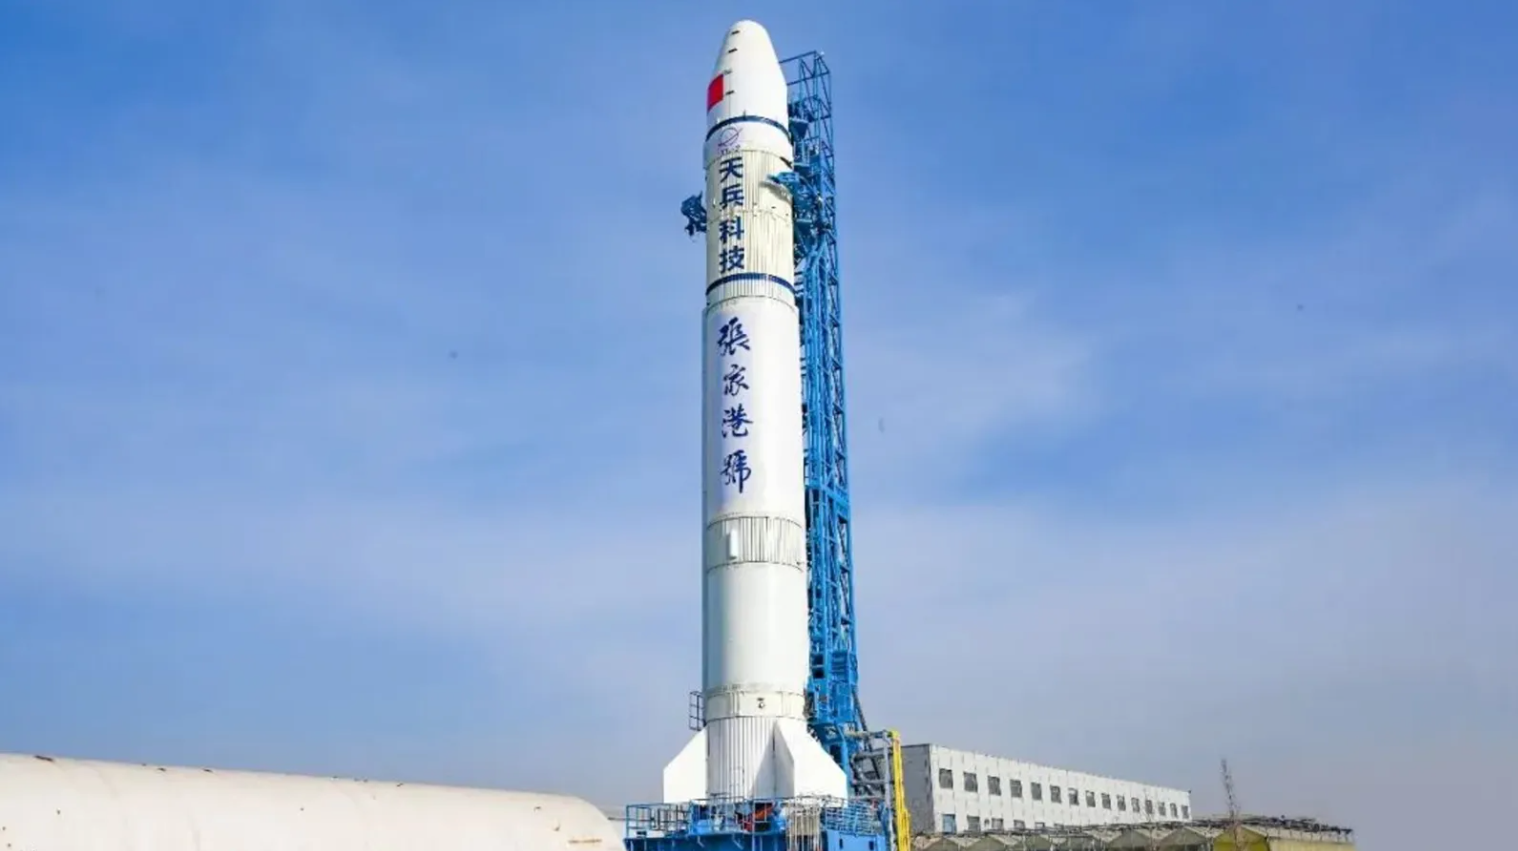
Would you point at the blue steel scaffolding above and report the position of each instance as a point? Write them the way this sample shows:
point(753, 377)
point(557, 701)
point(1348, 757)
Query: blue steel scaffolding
point(833, 685)
point(794, 824)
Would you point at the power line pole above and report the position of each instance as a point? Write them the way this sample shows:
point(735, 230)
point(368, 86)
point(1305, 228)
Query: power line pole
point(1235, 818)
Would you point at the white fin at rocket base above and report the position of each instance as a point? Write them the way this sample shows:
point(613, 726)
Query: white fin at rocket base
point(812, 772)
point(794, 766)
point(685, 775)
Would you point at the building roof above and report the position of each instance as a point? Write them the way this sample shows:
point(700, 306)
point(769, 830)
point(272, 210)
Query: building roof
point(1093, 774)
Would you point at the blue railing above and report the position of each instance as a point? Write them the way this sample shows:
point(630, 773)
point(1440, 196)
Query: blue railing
point(763, 816)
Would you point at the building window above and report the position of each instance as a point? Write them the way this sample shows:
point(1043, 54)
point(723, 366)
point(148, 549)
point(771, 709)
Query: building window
point(1019, 824)
point(1075, 797)
point(945, 778)
point(1122, 804)
point(1038, 791)
point(1185, 811)
point(1054, 792)
point(972, 824)
point(993, 785)
point(1135, 804)
point(1017, 788)
point(949, 824)
point(1173, 813)
point(1090, 798)
point(1106, 801)
point(972, 783)
point(998, 824)
point(1038, 825)
point(1148, 807)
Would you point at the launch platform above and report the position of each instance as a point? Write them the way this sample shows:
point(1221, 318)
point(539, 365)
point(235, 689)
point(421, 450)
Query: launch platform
point(795, 824)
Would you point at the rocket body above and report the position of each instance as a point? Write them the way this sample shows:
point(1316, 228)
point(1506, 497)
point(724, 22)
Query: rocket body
point(755, 644)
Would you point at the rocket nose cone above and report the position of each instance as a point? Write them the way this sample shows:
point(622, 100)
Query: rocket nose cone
point(747, 79)
point(749, 38)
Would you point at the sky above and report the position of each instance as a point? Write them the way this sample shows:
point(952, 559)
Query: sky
point(349, 388)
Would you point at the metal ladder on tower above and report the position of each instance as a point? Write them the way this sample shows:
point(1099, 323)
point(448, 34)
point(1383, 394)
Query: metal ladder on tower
point(870, 759)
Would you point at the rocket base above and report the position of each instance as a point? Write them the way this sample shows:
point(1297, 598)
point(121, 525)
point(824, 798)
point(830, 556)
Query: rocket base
point(803, 804)
point(791, 764)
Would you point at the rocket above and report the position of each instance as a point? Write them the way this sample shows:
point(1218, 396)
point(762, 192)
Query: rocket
point(755, 743)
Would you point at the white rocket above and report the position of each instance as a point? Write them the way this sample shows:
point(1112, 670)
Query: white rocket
point(754, 594)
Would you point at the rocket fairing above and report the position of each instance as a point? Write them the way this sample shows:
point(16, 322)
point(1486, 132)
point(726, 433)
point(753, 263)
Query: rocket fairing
point(755, 743)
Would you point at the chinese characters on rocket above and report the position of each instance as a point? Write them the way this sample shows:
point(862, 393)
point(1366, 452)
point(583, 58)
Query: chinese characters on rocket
point(736, 468)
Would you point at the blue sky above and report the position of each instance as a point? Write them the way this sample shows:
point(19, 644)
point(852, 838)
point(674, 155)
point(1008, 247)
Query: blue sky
point(349, 386)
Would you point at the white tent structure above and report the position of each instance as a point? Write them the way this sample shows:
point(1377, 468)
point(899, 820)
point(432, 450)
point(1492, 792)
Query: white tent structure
point(57, 804)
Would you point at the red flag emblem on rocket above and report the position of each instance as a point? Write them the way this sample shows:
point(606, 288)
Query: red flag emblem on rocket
point(714, 91)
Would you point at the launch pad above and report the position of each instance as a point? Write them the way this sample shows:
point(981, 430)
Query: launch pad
point(794, 824)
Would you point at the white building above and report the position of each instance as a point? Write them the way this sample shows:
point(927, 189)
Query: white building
point(950, 791)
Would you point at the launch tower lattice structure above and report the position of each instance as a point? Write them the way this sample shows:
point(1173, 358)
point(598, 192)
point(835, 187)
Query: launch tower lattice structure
point(869, 758)
point(834, 712)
